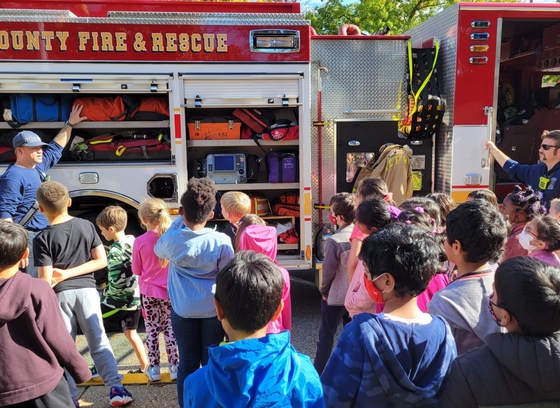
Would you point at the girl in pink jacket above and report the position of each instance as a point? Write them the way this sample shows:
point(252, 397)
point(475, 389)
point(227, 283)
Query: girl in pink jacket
point(264, 239)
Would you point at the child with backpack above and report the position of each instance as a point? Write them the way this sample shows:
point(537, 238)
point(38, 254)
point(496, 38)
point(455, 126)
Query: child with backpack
point(195, 255)
point(476, 234)
point(264, 239)
point(334, 285)
point(253, 369)
point(152, 279)
point(398, 358)
point(520, 367)
point(541, 237)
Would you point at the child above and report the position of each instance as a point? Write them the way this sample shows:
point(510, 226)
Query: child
point(519, 207)
point(121, 297)
point(486, 195)
point(519, 368)
point(32, 333)
point(476, 234)
point(235, 205)
point(445, 204)
point(371, 215)
point(335, 281)
point(196, 254)
point(400, 357)
point(255, 369)
point(370, 187)
point(554, 210)
point(152, 279)
point(244, 222)
point(424, 204)
point(67, 253)
point(264, 240)
point(440, 279)
point(541, 237)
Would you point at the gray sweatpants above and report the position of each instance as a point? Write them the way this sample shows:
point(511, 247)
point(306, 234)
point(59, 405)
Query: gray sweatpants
point(83, 307)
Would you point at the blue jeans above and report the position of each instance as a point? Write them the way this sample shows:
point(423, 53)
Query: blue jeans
point(193, 336)
point(31, 269)
point(83, 307)
point(331, 316)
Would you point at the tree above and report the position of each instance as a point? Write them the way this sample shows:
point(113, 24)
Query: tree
point(374, 15)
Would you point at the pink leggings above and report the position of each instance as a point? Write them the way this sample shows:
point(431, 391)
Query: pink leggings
point(158, 319)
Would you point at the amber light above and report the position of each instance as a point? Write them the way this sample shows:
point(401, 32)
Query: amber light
point(479, 48)
point(308, 252)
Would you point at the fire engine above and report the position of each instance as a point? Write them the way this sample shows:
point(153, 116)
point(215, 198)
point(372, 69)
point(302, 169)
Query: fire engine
point(346, 93)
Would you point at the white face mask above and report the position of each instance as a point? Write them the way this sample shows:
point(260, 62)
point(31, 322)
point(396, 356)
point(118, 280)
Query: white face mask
point(524, 240)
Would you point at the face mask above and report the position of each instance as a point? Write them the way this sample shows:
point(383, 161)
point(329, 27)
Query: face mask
point(374, 293)
point(490, 304)
point(524, 240)
point(332, 218)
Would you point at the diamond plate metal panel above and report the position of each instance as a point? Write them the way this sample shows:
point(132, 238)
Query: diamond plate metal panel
point(363, 75)
point(48, 16)
point(444, 27)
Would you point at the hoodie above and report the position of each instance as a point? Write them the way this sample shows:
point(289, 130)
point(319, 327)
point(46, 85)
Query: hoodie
point(264, 240)
point(511, 370)
point(384, 361)
point(263, 372)
point(34, 341)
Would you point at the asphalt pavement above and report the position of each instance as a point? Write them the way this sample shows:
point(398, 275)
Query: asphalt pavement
point(306, 320)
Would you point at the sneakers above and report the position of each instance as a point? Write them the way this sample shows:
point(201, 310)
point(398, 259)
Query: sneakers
point(94, 373)
point(120, 397)
point(173, 372)
point(153, 373)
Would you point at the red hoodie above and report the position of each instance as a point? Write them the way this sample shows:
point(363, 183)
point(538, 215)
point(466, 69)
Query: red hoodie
point(264, 240)
point(34, 342)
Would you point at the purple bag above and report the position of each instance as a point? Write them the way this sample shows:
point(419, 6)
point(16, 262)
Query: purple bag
point(281, 167)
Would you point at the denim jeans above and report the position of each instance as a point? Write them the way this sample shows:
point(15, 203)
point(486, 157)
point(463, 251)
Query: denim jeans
point(31, 269)
point(194, 336)
point(331, 316)
point(83, 307)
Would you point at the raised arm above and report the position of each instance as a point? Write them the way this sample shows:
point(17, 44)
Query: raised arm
point(63, 136)
point(500, 156)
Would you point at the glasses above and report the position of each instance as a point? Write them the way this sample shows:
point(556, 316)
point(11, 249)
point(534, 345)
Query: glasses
point(491, 310)
point(547, 147)
point(531, 233)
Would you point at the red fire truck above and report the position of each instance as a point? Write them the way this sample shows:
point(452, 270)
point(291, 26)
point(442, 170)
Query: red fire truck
point(346, 93)
point(500, 64)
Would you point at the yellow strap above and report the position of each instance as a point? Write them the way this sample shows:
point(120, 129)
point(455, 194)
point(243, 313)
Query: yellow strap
point(103, 141)
point(110, 313)
point(120, 150)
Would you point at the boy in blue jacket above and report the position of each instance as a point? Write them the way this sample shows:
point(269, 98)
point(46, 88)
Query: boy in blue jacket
point(254, 369)
point(400, 357)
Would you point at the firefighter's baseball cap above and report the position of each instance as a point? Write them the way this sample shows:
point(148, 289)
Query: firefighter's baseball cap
point(28, 138)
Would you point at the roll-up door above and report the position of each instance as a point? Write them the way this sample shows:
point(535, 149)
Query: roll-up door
point(84, 83)
point(242, 90)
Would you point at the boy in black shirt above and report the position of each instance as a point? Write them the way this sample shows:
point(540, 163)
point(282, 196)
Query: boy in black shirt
point(67, 253)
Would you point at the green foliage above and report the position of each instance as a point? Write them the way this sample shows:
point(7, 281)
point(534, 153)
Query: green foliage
point(374, 15)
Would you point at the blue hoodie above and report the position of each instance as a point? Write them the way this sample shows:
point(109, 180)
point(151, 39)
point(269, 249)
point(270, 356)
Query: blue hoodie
point(264, 372)
point(383, 361)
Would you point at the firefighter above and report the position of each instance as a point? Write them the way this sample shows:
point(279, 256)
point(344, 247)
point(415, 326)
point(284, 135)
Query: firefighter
point(18, 185)
point(543, 176)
